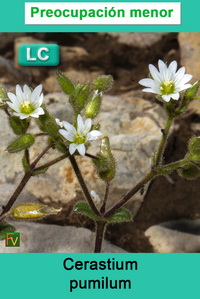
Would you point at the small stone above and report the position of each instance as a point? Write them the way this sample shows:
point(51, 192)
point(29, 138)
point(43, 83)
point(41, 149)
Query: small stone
point(50, 238)
point(178, 236)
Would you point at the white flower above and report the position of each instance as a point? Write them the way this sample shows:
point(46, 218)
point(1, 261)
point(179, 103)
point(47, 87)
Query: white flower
point(59, 123)
point(95, 197)
point(26, 102)
point(167, 82)
point(78, 137)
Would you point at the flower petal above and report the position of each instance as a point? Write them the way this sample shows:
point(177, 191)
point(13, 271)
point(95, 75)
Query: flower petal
point(88, 125)
point(81, 149)
point(69, 127)
point(80, 124)
point(93, 135)
point(166, 98)
point(72, 148)
point(67, 135)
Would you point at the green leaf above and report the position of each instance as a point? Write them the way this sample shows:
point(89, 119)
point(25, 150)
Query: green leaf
point(5, 228)
point(18, 125)
point(21, 143)
point(122, 215)
point(83, 208)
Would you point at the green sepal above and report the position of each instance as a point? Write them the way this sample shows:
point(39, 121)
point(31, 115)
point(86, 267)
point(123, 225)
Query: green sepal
point(65, 84)
point(21, 143)
point(37, 172)
point(59, 145)
point(47, 124)
point(79, 97)
point(93, 106)
point(122, 215)
point(103, 83)
point(189, 172)
point(83, 208)
point(18, 125)
point(5, 228)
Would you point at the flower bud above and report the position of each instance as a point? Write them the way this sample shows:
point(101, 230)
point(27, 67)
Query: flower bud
point(93, 106)
point(18, 125)
point(189, 172)
point(3, 93)
point(29, 211)
point(21, 143)
point(105, 165)
point(194, 149)
point(79, 97)
point(103, 83)
point(64, 82)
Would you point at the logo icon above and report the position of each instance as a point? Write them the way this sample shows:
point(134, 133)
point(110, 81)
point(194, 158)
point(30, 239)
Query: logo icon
point(12, 239)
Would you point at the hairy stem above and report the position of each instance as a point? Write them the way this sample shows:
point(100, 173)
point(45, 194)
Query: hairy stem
point(103, 207)
point(83, 184)
point(130, 193)
point(100, 228)
point(23, 183)
point(159, 154)
point(50, 163)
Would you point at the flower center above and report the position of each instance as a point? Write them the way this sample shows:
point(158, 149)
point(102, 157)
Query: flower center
point(26, 107)
point(167, 87)
point(79, 139)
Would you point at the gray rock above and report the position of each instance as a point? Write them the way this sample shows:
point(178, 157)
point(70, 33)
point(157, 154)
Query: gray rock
point(46, 238)
point(175, 236)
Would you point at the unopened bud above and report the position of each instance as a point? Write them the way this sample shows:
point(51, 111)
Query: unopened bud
point(79, 97)
point(194, 149)
point(64, 82)
point(93, 106)
point(105, 164)
point(189, 172)
point(103, 83)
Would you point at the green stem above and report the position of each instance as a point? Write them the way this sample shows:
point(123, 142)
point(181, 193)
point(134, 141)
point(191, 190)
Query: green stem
point(152, 174)
point(103, 207)
point(50, 163)
point(83, 184)
point(100, 228)
point(159, 154)
point(23, 183)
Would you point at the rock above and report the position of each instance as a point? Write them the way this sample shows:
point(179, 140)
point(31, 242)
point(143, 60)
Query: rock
point(7, 38)
point(175, 236)
point(190, 48)
point(136, 39)
point(133, 126)
point(13, 75)
point(46, 238)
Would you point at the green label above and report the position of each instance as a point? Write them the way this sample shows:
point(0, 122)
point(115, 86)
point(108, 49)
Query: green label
point(38, 55)
point(12, 239)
